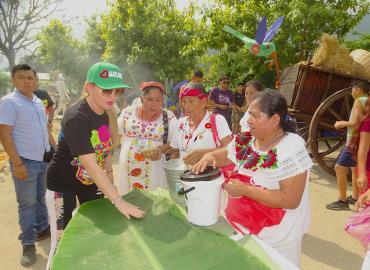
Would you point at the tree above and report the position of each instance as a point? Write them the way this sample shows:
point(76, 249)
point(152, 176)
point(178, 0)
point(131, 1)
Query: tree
point(18, 21)
point(153, 39)
point(60, 51)
point(4, 84)
point(304, 23)
point(363, 42)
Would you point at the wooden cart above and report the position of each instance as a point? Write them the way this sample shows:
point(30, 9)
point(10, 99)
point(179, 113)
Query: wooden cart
point(318, 98)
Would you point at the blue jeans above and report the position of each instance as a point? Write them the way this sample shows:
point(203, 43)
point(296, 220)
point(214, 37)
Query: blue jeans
point(30, 193)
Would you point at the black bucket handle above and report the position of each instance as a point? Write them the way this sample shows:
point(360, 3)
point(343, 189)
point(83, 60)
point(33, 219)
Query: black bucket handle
point(184, 192)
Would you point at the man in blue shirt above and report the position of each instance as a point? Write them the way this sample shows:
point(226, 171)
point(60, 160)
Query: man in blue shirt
point(23, 133)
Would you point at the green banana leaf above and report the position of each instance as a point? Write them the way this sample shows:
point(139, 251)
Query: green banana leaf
point(99, 237)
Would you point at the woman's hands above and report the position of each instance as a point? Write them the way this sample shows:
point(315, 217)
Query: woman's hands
point(129, 210)
point(153, 153)
point(361, 182)
point(235, 188)
point(363, 200)
point(207, 160)
point(193, 157)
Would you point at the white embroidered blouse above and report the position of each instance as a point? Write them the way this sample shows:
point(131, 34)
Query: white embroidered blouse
point(289, 158)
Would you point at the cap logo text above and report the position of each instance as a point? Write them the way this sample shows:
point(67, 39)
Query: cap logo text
point(115, 74)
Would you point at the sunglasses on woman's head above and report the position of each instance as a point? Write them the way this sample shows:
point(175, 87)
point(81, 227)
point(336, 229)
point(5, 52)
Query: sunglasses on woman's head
point(225, 82)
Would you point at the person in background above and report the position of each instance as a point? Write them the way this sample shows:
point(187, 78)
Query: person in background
point(147, 130)
point(63, 96)
point(362, 203)
point(49, 107)
point(81, 166)
point(360, 147)
point(222, 99)
point(197, 76)
point(345, 160)
point(239, 97)
point(24, 135)
point(276, 162)
point(252, 88)
point(199, 132)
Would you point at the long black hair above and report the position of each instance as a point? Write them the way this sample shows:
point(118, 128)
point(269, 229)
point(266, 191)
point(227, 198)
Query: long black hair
point(272, 102)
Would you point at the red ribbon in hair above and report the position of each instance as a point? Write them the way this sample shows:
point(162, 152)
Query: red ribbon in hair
point(192, 92)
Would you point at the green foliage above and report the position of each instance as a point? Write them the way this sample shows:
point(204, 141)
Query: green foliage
point(363, 42)
point(152, 39)
point(304, 23)
point(60, 51)
point(18, 21)
point(4, 84)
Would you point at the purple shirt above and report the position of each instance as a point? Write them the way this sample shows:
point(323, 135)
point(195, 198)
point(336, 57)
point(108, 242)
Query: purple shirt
point(224, 98)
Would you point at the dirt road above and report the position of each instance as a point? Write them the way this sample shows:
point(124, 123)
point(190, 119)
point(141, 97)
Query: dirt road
point(325, 247)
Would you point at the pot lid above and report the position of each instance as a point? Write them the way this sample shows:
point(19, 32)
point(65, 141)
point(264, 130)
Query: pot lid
point(208, 175)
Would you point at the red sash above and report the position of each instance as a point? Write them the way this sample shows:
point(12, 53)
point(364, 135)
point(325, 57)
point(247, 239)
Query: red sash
point(251, 214)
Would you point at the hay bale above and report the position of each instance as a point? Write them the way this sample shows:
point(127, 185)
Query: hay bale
point(361, 67)
point(332, 55)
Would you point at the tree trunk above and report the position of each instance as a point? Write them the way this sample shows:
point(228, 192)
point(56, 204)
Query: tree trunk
point(10, 56)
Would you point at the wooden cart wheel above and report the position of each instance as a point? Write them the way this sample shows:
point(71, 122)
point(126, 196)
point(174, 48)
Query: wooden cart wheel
point(303, 128)
point(324, 139)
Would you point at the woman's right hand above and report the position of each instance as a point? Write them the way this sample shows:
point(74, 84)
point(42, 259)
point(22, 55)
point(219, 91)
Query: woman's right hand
point(363, 200)
point(206, 160)
point(361, 182)
point(129, 210)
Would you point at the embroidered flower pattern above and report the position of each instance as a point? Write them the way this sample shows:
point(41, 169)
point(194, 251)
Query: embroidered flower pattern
point(139, 157)
point(137, 186)
point(135, 172)
point(271, 160)
point(253, 160)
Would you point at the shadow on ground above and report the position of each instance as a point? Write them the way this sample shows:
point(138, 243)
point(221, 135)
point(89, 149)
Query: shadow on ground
point(330, 253)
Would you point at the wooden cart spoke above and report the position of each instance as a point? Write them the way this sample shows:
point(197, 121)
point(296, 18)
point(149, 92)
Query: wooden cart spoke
point(336, 115)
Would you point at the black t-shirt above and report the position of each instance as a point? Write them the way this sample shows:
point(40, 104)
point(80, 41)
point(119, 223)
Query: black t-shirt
point(83, 132)
point(45, 98)
point(239, 99)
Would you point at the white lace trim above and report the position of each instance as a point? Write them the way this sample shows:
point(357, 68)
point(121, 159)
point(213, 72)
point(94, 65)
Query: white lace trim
point(292, 159)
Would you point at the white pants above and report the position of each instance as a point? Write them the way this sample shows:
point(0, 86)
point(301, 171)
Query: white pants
point(49, 198)
point(366, 263)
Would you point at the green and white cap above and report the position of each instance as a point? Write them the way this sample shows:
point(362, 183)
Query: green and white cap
point(106, 76)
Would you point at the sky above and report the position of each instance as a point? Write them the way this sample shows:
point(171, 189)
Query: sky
point(75, 10)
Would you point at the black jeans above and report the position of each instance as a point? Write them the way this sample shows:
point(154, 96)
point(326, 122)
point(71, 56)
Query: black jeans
point(70, 201)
